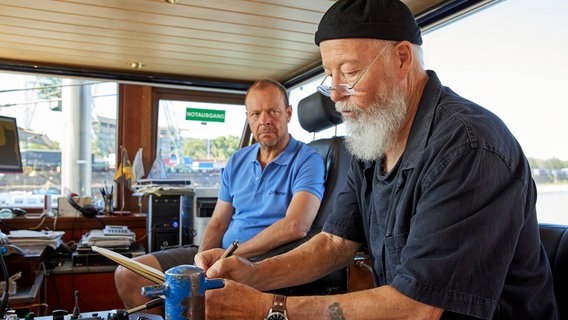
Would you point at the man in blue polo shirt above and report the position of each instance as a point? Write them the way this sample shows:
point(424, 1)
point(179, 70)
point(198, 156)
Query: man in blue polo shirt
point(270, 191)
point(269, 195)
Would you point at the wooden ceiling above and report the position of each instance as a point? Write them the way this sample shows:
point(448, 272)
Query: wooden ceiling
point(226, 41)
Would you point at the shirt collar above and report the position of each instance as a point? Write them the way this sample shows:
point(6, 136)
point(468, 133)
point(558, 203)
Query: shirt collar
point(423, 119)
point(283, 158)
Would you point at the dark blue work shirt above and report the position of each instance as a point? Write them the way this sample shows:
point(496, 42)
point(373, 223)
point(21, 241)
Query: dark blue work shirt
point(454, 224)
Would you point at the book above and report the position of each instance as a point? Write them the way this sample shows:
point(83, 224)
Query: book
point(145, 271)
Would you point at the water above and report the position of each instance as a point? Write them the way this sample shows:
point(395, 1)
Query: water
point(552, 204)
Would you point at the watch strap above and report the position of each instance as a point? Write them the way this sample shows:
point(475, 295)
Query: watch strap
point(279, 304)
point(278, 310)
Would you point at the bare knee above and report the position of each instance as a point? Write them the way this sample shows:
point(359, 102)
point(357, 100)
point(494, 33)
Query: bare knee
point(128, 284)
point(126, 279)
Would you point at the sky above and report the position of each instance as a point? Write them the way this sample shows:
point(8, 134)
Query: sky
point(511, 59)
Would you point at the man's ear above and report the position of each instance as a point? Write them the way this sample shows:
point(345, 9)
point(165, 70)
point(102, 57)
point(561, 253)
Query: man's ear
point(404, 55)
point(289, 112)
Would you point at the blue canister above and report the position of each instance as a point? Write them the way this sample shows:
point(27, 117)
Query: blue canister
point(184, 291)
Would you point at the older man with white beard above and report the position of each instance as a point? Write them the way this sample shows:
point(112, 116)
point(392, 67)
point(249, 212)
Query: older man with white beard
point(439, 192)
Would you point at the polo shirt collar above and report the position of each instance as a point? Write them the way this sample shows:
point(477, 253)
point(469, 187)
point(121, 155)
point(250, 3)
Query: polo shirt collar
point(284, 158)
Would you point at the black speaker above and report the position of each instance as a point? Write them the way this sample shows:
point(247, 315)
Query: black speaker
point(87, 212)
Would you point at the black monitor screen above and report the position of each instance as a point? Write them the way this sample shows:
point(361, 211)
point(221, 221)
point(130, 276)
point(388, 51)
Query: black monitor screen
point(10, 159)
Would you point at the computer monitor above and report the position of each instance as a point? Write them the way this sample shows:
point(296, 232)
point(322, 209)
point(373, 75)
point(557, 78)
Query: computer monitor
point(10, 157)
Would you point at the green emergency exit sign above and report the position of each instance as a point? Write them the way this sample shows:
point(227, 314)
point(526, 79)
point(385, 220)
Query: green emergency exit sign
point(204, 115)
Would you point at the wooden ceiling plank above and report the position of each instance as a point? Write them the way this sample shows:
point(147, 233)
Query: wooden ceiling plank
point(117, 45)
point(10, 25)
point(416, 6)
point(123, 60)
point(192, 29)
point(197, 69)
point(232, 11)
point(196, 17)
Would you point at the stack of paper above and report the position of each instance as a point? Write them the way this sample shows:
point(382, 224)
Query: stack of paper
point(35, 238)
point(98, 238)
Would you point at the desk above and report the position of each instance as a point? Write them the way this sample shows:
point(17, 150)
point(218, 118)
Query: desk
point(75, 227)
point(95, 284)
point(28, 287)
point(29, 264)
point(28, 294)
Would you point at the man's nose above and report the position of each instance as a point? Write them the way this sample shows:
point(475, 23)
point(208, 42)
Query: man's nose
point(335, 95)
point(264, 118)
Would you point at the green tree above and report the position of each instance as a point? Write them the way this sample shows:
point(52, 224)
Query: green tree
point(195, 148)
point(550, 164)
point(50, 89)
point(223, 147)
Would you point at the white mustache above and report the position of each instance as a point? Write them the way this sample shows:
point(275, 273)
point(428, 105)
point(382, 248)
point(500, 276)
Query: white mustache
point(343, 106)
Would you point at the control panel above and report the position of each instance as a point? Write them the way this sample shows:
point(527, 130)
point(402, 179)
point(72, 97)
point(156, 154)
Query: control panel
point(116, 314)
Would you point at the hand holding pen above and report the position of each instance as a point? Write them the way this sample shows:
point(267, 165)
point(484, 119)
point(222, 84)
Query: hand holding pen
point(208, 258)
point(231, 249)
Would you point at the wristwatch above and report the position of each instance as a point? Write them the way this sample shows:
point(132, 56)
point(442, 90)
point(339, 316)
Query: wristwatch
point(278, 310)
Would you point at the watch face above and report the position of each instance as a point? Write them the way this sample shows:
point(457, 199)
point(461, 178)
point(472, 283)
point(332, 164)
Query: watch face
point(276, 316)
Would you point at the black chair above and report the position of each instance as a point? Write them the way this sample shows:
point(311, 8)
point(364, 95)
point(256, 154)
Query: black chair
point(316, 113)
point(555, 240)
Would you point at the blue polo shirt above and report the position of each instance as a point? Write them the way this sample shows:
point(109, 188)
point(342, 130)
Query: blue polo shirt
point(261, 198)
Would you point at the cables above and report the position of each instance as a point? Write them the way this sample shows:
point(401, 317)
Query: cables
point(39, 225)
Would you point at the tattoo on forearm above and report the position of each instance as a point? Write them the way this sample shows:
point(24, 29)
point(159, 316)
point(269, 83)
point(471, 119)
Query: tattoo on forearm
point(335, 312)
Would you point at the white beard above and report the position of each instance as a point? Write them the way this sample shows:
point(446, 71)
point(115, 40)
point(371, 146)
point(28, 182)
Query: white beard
point(372, 129)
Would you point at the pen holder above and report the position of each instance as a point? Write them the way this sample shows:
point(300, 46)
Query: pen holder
point(184, 289)
point(109, 206)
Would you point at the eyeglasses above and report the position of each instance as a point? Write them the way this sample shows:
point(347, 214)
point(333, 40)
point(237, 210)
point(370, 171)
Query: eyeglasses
point(345, 89)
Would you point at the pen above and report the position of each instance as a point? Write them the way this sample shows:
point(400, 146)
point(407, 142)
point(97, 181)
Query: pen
point(231, 249)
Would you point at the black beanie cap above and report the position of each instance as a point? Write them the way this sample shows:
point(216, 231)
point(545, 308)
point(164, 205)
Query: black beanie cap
point(374, 19)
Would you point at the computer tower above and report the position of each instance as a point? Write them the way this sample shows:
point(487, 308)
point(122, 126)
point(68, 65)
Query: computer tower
point(165, 225)
point(203, 205)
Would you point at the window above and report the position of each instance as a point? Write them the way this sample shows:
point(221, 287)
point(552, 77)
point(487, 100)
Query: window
point(67, 130)
point(507, 58)
point(195, 139)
